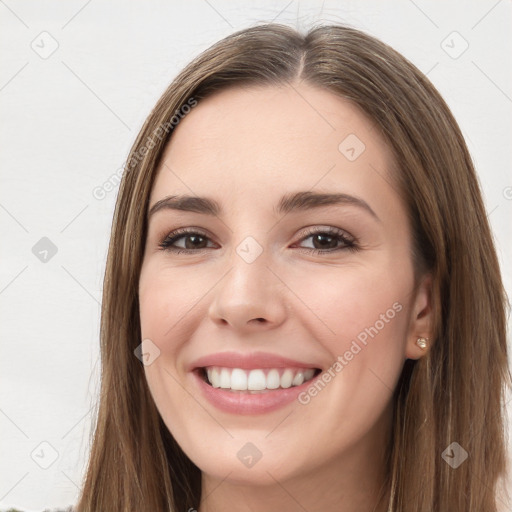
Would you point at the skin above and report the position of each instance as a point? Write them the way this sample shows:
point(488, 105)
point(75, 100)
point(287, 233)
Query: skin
point(245, 148)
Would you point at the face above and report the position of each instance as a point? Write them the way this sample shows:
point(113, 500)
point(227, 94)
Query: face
point(276, 285)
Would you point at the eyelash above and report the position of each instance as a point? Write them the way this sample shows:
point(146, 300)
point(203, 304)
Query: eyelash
point(350, 243)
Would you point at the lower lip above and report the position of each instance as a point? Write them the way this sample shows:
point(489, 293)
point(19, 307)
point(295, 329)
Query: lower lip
point(244, 402)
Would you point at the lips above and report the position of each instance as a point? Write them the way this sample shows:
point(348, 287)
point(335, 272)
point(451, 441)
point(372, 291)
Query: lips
point(252, 361)
point(251, 383)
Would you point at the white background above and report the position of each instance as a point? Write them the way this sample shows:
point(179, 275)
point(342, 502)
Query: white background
point(68, 121)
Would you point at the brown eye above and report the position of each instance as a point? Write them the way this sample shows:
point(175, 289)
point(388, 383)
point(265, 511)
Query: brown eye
point(328, 240)
point(323, 241)
point(191, 240)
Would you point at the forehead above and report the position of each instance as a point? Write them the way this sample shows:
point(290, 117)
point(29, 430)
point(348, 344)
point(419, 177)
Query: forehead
point(255, 141)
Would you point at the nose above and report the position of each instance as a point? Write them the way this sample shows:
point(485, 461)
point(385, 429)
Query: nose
point(250, 297)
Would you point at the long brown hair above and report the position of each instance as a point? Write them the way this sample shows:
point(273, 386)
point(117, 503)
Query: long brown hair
point(455, 393)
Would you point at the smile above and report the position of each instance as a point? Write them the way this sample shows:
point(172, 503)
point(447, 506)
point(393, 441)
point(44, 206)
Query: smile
point(257, 380)
point(251, 383)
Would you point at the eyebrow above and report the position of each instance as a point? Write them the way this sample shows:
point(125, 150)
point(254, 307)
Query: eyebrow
point(297, 201)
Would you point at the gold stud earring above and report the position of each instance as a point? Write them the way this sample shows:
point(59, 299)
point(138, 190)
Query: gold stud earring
point(422, 343)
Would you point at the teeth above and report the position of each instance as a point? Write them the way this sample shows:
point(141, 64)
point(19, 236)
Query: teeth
point(238, 380)
point(257, 380)
point(225, 378)
point(273, 379)
point(308, 374)
point(298, 379)
point(286, 378)
point(215, 377)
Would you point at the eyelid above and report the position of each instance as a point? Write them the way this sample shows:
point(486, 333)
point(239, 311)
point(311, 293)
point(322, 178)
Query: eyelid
point(311, 230)
point(177, 234)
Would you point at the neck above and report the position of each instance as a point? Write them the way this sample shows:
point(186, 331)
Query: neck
point(354, 480)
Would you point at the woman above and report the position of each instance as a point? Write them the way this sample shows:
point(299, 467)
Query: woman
point(303, 308)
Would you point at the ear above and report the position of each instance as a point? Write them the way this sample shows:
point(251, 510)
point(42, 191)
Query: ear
point(420, 324)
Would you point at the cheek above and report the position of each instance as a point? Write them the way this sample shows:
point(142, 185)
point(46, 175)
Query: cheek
point(361, 319)
point(171, 305)
point(167, 296)
point(164, 302)
point(344, 304)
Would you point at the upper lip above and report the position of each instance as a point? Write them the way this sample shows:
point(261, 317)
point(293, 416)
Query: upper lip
point(248, 361)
